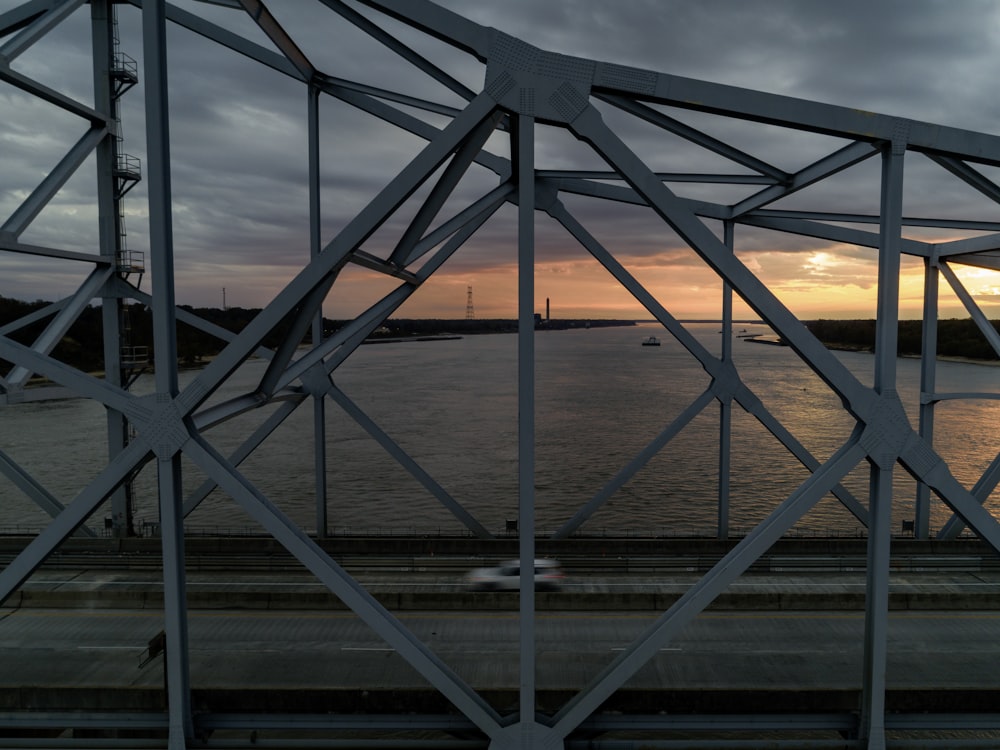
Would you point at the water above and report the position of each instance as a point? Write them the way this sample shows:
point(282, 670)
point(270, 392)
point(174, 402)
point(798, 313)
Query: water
point(601, 398)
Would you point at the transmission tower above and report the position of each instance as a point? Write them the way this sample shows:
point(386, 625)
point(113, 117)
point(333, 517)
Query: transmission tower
point(470, 313)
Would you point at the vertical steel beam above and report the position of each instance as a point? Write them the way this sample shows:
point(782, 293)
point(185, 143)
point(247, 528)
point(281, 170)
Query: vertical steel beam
point(928, 386)
point(882, 463)
point(165, 342)
point(315, 245)
point(726, 404)
point(524, 163)
point(102, 19)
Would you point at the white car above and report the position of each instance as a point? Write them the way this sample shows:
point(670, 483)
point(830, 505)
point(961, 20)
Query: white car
point(507, 576)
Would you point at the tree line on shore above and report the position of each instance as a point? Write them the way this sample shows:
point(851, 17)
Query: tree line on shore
point(82, 346)
point(956, 337)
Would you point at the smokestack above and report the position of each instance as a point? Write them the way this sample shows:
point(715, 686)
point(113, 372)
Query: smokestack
point(546, 308)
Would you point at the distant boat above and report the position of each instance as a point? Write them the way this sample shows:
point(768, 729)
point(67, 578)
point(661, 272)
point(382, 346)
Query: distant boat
point(651, 341)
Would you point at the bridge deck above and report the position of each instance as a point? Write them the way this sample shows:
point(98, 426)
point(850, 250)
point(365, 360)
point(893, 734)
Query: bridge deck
point(784, 641)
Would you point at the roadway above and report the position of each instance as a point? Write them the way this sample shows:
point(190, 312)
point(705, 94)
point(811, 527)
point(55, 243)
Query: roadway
point(776, 641)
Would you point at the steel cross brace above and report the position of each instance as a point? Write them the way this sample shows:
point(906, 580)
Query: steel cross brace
point(338, 581)
point(890, 429)
point(718, 370)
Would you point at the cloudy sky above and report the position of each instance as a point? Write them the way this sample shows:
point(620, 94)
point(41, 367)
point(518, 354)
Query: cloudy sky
point(239, 168)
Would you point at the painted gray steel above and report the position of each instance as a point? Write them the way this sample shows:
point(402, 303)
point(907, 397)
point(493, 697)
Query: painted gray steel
point(524, 88)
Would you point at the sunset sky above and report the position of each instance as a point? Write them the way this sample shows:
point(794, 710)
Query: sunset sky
point(239, 152)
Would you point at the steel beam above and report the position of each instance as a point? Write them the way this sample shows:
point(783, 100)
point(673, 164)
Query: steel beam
point(403, 459)
point(61, 323)
point(557, 91)
point(166, 439)
point(53, 182)
point(37, 29)
point(523, 159)
point(928, 390)
point(23, 15)
point(726, 382)
point(699, 596)
point(346, 588)
point(408, 54)
point(726, 399)
point(882, 463)
point(315, 245)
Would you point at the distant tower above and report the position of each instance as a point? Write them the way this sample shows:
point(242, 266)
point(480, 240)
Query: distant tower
point(470, 313)
point(546, 308)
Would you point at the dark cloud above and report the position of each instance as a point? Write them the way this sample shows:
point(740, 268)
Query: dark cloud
point(239, 130)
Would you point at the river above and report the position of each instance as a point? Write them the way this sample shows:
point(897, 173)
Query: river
point(452, 406)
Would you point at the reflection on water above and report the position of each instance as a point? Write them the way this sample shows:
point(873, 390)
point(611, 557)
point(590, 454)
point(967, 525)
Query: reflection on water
point(452, 406)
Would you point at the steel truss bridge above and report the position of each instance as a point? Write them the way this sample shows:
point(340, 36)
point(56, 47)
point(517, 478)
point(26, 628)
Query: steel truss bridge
point(525, 91)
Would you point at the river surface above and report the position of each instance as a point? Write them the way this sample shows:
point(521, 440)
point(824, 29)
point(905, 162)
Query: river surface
point(601, 398)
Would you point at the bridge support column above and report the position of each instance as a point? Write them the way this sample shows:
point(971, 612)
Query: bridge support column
point(887, 435)
point(524, 164)
point(166, 434)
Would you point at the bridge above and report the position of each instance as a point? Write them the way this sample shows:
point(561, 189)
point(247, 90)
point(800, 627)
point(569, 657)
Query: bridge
point(475, 159)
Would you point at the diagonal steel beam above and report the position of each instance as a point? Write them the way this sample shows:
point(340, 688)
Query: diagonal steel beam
point(80, 383)
point(725, 378)
point(442, 190)
point(41, 314)
point(969, 175)
point(228, 39)
point(62, 322)
point(367, 100)
point(340, 583)
point(975, 312)
point(53, 182)
point(300, 322)
point(246, 449)
point(270, 26)
point(14, 20)
point(69, 519)
point(672, 125)
point(590, 128)
point(9, 243)
point(699, 596)
point(404, 459)
point(189, 318)
point(644, 456)
point(37, 29)
point(445, 25)
point(828, 166)
point(831, 232)
point(394, 44)
point(33, 490)
point(335, 254)
point(352, 334)
point(30, 86)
